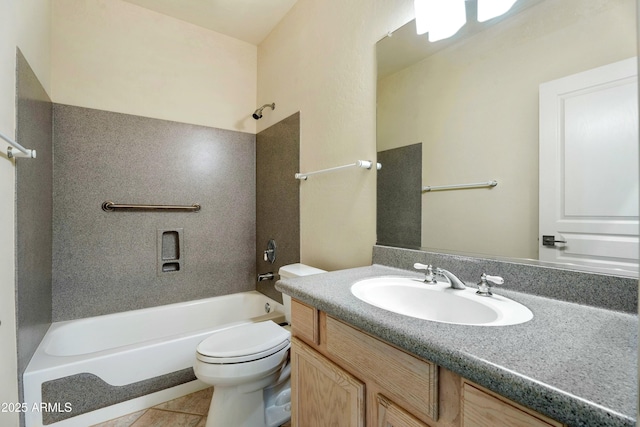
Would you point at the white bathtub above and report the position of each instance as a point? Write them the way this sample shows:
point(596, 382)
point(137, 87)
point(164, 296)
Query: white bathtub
point(125, 348)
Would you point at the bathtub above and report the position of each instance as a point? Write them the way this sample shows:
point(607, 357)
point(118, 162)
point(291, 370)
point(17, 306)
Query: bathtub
point(90, 370)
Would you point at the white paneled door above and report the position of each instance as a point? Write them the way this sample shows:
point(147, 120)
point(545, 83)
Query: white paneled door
point(589, 169)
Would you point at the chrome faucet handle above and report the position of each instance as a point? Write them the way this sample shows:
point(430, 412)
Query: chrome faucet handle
point(429, 276)
point(484, 285)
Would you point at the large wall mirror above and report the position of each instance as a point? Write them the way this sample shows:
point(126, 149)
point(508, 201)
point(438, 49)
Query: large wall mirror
point(466, 110)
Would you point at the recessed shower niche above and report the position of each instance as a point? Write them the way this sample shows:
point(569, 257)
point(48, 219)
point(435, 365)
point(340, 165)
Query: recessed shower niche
point(170, 253)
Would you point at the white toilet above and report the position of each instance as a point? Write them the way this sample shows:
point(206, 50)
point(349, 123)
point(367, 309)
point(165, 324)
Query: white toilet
point(248, 366)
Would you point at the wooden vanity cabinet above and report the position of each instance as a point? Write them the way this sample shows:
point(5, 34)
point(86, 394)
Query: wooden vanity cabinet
point(342, 376)
point(339, 369)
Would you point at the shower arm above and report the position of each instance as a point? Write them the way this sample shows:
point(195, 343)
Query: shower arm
point(258, 113)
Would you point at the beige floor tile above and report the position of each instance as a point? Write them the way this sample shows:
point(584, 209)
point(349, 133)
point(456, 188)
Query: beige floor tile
point(124, 421)
point(203, 423)
point(158, 418)
point(194, 403)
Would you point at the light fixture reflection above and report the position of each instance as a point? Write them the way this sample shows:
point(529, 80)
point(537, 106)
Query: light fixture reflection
point(440, 18)
point(489, 9)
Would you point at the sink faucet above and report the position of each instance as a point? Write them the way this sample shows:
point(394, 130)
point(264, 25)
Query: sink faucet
point(455, 282)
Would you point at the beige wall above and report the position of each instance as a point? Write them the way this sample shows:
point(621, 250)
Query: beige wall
point(475, 108)
point(8, 355)
point(116, 56)
point(320, 60)
point(25, 25)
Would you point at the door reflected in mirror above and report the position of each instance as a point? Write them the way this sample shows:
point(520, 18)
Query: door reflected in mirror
point(472, 102)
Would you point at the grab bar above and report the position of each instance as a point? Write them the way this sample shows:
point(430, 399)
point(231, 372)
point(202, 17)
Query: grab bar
point(24, 152)
point(456, 186)
point(109, 206)
point(365, 164)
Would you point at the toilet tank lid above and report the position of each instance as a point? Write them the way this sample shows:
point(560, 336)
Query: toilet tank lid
point(298, 270)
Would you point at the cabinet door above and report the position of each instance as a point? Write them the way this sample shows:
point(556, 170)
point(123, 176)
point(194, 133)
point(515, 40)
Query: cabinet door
point(323, 394)
point(391, 415)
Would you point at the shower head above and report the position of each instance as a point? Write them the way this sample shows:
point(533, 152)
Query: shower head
point(258, 113)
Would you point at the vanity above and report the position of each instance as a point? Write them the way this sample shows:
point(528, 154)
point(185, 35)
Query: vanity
point(359, 365)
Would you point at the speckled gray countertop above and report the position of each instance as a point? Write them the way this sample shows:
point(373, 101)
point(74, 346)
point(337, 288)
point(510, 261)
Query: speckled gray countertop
point(574, 363)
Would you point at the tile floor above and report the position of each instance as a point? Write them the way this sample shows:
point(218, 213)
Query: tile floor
point(187, 411)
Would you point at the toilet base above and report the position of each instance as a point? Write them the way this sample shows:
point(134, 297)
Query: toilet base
point(238, 406)
point(277, 402)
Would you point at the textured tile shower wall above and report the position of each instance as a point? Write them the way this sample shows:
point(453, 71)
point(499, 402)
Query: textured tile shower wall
point(278, 198)
point(399, 199)
point(34, 209)
point(106, 262)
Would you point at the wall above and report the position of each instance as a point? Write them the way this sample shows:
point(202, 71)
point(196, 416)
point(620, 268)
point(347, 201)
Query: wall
point(8, 346)
point(277, 198)
point(115, 56)
point(105, 262)
point(34, 204)
point(25, 25)
point(320, 60)
point(111, 55)
point(489, 84)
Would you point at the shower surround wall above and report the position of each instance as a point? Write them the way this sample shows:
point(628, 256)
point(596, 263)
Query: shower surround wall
point(106, 262)
point(278, 198)
point(399, 204)
point(34, 182)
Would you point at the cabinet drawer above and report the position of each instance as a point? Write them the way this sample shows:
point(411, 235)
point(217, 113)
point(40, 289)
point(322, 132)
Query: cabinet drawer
point(410, 382)
point(391, 415)
point(484, 409)
point(304, 322)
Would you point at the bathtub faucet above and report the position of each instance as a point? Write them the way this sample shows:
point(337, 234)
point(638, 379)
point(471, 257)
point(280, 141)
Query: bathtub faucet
point(265, 276)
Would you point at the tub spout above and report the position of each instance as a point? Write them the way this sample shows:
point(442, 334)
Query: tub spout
point(265, 276)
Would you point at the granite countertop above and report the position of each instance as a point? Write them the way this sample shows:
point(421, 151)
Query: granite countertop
point(576, 364)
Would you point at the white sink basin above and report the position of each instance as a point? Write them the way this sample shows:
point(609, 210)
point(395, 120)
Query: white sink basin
point(439, 303)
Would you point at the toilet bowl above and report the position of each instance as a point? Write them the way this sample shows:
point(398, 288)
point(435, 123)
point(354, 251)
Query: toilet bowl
point(248, 366)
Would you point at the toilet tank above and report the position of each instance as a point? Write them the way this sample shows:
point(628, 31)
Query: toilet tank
point(290, 271)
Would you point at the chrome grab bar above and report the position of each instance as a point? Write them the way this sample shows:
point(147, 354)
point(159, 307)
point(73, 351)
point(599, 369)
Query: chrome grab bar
point(109, 206)
point(457, 186)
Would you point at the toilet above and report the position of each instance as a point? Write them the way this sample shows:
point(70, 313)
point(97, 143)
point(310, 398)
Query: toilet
point(248, 366)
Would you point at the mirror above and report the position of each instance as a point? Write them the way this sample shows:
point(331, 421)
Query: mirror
point(472, 102)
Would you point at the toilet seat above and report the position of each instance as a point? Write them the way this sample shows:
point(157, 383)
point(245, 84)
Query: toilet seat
point(244, 343)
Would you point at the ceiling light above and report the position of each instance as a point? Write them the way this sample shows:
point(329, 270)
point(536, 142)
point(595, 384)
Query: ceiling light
point(440, 18)
point(488, 9)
